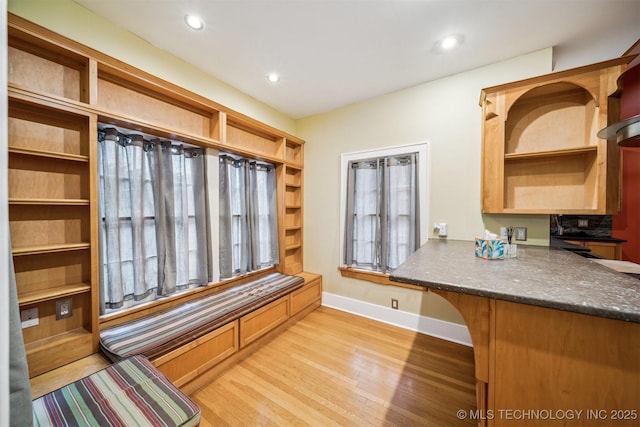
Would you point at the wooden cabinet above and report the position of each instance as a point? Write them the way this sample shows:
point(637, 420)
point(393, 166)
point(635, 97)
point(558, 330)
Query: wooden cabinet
point(309, 294)
point(609, 250)
point(539, 366)
point(59, 90)
point(540, 153)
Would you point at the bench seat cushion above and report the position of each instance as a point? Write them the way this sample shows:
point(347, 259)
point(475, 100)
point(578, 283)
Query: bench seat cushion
point(166, 330)
point(130, 392)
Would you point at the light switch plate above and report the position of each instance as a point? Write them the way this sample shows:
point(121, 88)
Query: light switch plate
point(521, 233)
point(29, 317)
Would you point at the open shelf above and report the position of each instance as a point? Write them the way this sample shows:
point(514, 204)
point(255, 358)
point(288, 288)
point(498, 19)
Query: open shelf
point(47, 249)
point(542, 182)
point(541, 153)
point(52, 293)
point(554, 153)
point(257, 141)
point(293, 152)
point(50, 202)
point(57, 350)
point(51, 69)
point(49, 154)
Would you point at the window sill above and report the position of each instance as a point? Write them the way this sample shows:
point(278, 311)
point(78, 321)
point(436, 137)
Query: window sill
point(375, 277)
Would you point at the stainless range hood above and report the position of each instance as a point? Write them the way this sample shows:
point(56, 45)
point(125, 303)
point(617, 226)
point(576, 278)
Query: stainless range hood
point(626, 132)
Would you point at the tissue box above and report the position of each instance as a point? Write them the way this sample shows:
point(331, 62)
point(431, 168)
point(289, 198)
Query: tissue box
point(489, 249)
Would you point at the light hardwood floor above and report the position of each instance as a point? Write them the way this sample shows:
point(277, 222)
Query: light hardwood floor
point(334, 368)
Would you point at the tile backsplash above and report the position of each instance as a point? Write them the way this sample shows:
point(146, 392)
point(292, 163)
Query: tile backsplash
point(590, 225)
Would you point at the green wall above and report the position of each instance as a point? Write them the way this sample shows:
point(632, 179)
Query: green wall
point(444, 112)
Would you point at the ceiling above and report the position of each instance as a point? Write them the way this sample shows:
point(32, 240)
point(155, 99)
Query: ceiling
point(331, 53)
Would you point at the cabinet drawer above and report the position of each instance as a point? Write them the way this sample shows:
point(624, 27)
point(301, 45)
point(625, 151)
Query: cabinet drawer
point(305, 296)
point(192, 359)
point(258, 323)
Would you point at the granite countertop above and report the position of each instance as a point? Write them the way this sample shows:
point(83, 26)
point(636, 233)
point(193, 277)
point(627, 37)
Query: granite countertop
point(543, 276)
point(587, 238)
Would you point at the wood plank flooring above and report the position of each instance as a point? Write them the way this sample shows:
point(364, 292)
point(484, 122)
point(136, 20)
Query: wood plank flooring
point(334, 368)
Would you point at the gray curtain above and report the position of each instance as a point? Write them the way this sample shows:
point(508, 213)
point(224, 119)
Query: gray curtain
point(248, 216)
point(153, 205)
point(19, 386)
point(382, 227)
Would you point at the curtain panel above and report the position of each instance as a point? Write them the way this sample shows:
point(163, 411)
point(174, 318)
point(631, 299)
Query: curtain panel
point(248, 216)
point(153, 210)
point(382, 227)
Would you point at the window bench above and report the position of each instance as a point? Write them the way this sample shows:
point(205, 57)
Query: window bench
point(130, 392)
point(188, 340)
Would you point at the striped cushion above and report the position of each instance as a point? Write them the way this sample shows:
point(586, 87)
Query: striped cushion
point(130, 393)
point(161, 332)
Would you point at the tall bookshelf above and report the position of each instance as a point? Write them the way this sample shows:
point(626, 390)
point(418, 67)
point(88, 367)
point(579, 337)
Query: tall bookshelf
point(59, 90)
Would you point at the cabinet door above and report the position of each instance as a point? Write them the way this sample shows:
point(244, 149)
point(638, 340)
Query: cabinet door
point(605, 249)
point(580, 362)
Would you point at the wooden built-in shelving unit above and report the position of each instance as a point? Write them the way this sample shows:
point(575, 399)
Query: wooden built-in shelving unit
point(59, 90)
point(540, 149)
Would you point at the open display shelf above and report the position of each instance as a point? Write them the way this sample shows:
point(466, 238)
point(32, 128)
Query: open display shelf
point(540, 149)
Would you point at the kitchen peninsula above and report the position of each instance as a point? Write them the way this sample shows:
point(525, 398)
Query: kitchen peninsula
point(552, 332)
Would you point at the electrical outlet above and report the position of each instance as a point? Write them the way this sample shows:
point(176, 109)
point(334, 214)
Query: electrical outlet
point(583, 223)
point(29, 317)
point(64, 308)
point(503, 233)
point(521, 233)
point(394, 303)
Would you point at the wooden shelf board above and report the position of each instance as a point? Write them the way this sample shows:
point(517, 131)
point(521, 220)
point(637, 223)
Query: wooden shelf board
point(554, 153)
point(57, 350)
point(46, 249)
point(292, 228)
point(294, 165)
point(293, 206)
point(53, 293)
point(293, 247)
point(292, 184)
point(49, 202)
point(572, 211)
point(57, 341)
point(49, 154)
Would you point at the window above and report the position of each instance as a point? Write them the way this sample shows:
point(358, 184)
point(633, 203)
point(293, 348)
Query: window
point(248, 216)
point(154, 218)
point(384, 207)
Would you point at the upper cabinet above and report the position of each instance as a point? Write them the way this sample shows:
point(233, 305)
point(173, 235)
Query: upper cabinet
point(540, 152)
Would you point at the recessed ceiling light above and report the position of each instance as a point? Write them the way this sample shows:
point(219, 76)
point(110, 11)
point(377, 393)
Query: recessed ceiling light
point(273, 78)
point(448, 43)
point(194, 22)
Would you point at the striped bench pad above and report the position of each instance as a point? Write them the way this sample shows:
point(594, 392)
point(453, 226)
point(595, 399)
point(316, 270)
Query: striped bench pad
point(129, 393)
point(166, 330)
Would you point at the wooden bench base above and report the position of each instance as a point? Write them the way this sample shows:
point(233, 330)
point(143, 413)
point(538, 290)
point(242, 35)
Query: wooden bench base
point(192, 366)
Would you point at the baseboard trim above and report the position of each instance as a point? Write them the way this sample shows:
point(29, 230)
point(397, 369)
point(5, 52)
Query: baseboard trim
point(426, 325)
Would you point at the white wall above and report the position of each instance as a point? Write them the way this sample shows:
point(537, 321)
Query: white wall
point(78, 23)
point(444, 112)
